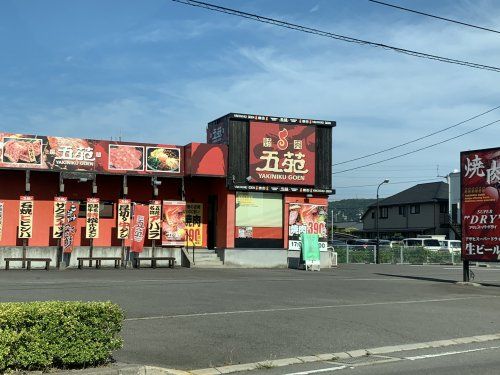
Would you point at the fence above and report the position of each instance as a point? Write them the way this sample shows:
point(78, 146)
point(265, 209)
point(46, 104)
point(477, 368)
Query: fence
point(394, 255)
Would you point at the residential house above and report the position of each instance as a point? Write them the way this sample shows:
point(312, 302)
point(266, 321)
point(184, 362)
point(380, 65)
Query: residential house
point(421, 209)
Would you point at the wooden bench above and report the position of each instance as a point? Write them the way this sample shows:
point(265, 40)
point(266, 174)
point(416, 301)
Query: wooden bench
point(98, 261)
point(28, 262)
point(171, 261)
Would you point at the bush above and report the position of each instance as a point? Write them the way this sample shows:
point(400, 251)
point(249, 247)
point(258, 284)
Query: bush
point(40, 335)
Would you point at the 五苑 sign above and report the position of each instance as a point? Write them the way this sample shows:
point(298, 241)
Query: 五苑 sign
point(282, 154)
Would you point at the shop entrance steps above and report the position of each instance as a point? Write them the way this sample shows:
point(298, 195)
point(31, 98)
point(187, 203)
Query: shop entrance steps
point(203, 258)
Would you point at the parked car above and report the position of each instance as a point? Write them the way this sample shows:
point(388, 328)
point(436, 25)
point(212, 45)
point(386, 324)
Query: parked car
point(426, 243)
point(451, 245)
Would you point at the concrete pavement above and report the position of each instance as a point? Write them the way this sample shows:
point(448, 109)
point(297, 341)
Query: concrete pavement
point(195, 318)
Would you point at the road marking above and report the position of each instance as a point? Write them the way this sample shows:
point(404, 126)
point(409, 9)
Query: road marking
point(450, 353)
point(317, 371)
point(389, 350)
point(305, 308)
point(479, 268)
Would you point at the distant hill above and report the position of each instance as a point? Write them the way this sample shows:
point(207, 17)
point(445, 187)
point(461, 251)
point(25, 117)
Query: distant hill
point(348, 209)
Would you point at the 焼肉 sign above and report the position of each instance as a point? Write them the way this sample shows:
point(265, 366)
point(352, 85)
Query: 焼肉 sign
point(194, 224)
point(308, 219)
point(480, 171)
point(282, 154)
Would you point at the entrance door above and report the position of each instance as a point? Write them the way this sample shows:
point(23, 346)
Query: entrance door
point(212, 222)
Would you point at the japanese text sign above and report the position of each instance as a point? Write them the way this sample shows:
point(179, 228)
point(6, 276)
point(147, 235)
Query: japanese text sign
point(154, 229)
point(138, 227)
point(92, 218)
point(308, 219)
point(174, 223)
point(480, 171)
point(25, 229)
point(194, 224)
point(59, 214)
point(282, 154)
point(69, 228)
point(124, 218)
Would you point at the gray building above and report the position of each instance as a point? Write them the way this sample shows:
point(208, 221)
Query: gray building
point(421, 209)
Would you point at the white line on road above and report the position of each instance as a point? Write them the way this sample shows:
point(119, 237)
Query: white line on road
point(305, 308)
point(317, 371)
point(425, 356)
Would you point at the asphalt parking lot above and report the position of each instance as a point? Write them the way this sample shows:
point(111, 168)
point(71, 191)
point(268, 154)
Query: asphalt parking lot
point(196, 318)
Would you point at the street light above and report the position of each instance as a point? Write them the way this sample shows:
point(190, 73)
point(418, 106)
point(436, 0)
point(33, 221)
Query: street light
point(377, 214)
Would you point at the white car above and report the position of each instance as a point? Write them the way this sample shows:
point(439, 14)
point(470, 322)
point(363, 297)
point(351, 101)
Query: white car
point(426, 243)
point(451, 245)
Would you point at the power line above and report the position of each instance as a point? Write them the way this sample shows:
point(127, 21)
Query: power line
point(390, 183)
point(433, 16)
point(309, 30)
point(417, 139)
point(419, 149)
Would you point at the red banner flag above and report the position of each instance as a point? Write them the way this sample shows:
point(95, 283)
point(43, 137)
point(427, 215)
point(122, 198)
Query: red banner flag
point(139, 226)
point(69, 229)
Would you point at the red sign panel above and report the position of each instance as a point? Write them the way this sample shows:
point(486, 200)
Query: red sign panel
point(174, 223)
point(282, 154)
point(69, 228)
point(481, 205)
point(74, 154)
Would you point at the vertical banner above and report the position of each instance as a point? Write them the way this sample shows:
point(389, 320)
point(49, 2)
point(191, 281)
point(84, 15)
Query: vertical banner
point(92, 218)
point(194, 226)
point(124, 218)
point(26, 204)
point(154, 228)
point(59, 214)
point(480, 205)
point(138, 227)
point(69, 229)
point(308, 219)
point(1, 220)
point(174, 223)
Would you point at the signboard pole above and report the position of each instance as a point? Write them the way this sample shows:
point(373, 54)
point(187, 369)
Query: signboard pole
point(466, 273)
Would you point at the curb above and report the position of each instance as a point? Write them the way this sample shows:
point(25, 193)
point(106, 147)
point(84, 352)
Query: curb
point(125, 369)
point(338, 356)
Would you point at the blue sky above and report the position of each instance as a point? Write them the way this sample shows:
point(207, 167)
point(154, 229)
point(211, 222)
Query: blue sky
point(159, 71)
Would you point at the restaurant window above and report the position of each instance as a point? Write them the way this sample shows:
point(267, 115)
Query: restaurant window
point(443, 208)
point(259, 220)
point(402, 210)
point(414, 209)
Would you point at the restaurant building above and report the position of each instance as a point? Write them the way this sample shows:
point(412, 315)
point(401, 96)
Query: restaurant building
point(247, 194)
